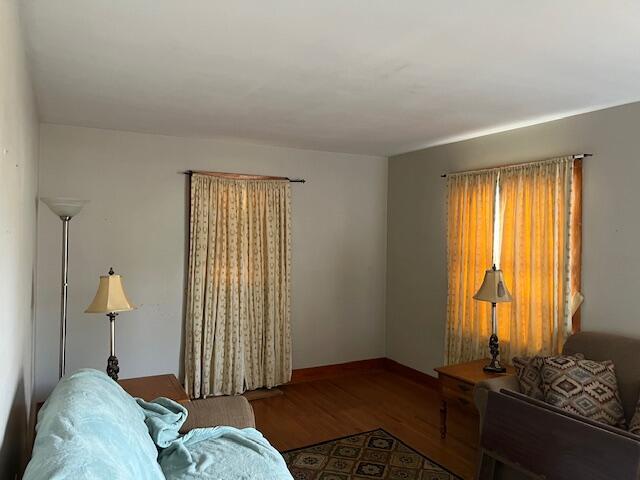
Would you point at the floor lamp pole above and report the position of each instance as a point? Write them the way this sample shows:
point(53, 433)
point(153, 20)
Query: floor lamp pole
point(63, 292)
point(65, 209)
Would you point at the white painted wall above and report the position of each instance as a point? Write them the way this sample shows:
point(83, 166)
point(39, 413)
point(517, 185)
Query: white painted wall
point(18, 191)
point(136, 223)
point(417, 272)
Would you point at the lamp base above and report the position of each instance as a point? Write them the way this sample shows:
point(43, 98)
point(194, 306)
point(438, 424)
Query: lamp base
point(112, 367)
point(494, 368)
point(494, 347)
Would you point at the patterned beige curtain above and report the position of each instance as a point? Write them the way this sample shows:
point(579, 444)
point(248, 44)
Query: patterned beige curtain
point(536, 217)
point(470, 199)
point(237, 331)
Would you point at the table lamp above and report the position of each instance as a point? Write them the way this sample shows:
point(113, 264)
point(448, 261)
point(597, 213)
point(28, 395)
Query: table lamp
point(65, 208)
point(111, 299)
point(493, 290)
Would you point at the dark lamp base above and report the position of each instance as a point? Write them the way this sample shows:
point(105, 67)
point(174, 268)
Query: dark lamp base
point(494, 369)
point(112, 367)
point(494, 347)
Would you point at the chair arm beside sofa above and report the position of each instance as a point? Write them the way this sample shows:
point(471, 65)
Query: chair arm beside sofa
point(233, 411)
point(483, 387)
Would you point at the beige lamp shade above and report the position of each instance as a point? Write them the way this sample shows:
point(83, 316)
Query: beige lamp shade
point(110, 296)
point(493, 289)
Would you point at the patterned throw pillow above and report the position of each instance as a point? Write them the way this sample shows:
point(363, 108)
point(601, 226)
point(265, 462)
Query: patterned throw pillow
point(528, 373)
point(530, 376)
point(634, 426)
point(583, 387)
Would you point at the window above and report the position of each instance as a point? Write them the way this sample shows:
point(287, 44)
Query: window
point(526, 220)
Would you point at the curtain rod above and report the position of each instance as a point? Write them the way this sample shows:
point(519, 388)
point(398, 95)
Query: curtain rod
point(243, 176)
point(577, 156)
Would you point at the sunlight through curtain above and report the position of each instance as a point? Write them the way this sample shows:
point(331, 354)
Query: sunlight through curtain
point(470, 251)
point(535, 211)
point(529, 238)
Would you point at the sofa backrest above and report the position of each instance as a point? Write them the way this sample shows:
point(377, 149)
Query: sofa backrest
point(90, 427)
point(625, 354)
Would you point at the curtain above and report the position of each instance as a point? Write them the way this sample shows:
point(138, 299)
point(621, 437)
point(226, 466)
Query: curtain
point(536, 209)
point(470, 209)
point(237, 325)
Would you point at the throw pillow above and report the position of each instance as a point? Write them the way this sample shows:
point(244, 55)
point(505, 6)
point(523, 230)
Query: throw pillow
point(529, 375)
point(583, 387)
point(634, 426)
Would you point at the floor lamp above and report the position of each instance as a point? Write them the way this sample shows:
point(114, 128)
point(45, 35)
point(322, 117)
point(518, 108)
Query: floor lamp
point(66, 209)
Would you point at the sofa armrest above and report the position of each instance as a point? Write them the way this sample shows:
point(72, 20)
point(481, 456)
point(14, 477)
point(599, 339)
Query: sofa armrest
point(483, 387)
point(234, 411)
point(521, 434)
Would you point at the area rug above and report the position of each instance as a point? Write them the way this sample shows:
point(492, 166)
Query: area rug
point(365, 456)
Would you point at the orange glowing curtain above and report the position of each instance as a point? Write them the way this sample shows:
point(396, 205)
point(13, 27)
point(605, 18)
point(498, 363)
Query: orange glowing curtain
point(535, 238)
point(536, 204)
point(471, 198)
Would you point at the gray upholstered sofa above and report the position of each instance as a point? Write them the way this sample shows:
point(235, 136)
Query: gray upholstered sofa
point(623, 351)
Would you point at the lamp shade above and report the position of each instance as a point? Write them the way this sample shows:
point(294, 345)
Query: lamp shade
point(493, 289)
point(63, 206)
point(110, 297)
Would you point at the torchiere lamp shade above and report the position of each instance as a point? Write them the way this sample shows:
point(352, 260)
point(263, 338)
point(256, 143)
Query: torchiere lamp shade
point(64, 206)
point(492, 288)
point(110, 296)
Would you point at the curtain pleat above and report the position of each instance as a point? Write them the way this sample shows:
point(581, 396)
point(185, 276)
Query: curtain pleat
point(237, 333)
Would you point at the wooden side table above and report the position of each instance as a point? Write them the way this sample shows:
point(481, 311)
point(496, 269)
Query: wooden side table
point(150, 388)
point(456, 386)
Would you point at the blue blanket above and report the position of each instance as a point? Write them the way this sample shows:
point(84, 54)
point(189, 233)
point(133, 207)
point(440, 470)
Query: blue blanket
point(90, 428)
point(209, 453)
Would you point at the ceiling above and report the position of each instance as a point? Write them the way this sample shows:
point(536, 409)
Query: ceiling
point(362, 76)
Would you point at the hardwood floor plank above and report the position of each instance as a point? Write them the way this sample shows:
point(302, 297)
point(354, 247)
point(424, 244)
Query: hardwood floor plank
point(328, 408)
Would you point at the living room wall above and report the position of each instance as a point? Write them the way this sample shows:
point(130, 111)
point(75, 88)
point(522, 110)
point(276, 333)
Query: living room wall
point(18, 193)
point(416, 269)
point(136, 222)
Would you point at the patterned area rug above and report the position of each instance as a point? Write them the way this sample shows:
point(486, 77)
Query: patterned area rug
point(365, 456)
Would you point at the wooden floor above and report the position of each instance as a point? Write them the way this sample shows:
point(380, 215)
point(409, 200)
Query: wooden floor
point(321, 410)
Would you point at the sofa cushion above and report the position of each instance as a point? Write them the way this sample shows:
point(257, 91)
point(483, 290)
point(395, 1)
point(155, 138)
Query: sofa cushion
point(583, 387)
point(530, 376)
point(90, 427)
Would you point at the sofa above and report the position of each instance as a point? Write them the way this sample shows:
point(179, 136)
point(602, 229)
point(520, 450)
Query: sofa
point(513, 427)
point(90, 428)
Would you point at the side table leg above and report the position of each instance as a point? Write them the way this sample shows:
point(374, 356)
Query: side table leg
point(443, 419)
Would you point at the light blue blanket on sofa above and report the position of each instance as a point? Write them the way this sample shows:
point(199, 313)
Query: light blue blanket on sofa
point(209, 453)
point(90, 428)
